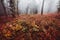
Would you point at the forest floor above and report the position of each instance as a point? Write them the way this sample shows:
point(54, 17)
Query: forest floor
point(30, 27)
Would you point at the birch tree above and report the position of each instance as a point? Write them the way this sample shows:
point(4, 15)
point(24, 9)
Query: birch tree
point(12, 7)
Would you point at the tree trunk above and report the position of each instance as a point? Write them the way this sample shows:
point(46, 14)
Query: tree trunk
point(59, 7)
point(12, 9)
point(4, 7)
point(17, 8)
point(42, 7)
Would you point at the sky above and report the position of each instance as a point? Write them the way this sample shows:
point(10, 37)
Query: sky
point(31, 5)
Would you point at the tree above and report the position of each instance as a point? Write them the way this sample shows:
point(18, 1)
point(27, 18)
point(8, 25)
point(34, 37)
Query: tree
point(59, 7)
point(12, 7)
point(3, 7)
point(42, 7)
point(17, 8)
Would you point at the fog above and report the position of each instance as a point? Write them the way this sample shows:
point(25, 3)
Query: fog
point(29, 6)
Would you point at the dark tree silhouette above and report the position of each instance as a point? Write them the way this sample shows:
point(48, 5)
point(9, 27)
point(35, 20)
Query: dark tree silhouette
point(59, 7)
point(4, 7)
point(42, 7)
point(36, 11)
point(17, 8)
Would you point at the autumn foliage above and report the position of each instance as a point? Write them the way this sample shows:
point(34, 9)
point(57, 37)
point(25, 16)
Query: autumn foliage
point(30, 27)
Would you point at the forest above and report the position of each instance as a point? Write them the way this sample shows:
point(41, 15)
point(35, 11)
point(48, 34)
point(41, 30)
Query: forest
point(30, 20)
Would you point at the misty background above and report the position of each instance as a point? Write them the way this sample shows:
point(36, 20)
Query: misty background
point(30, 6)
point(49, 5)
